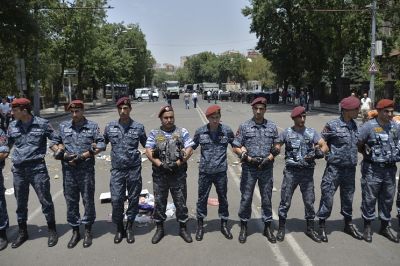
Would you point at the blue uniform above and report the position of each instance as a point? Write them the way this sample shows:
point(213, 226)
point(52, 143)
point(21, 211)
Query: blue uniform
point(378, 168)
point(174, 182)
point(79, 179)
point(126, 167)
point(258, 139)
point(3, 204)
point(29, 167)
point(213, 167)
point(299, 171)
point(340, 170)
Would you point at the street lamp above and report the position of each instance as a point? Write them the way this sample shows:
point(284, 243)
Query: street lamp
point(373, 40)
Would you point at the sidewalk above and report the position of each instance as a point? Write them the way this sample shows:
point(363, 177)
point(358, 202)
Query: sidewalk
point(50, 113)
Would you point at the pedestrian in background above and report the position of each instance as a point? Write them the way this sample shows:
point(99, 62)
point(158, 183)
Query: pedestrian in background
point(186, 98)
point(5, 113)
point(82, 141)
point(194, 99)
point(213, 139)
point(302, 146)
point(366, 106)
point(378, 141)
point(169, 148)
point(28, 135)
point(340, 135)
point(254, 144)
point(4, 223)
point(125, 135)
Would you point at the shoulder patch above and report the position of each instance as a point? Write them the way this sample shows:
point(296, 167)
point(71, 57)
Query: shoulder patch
point(378, 129)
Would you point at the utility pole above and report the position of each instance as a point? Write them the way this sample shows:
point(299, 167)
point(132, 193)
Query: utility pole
point(373, 40)
point(36, 95)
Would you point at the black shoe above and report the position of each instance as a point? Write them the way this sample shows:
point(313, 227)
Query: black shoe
point(322, 231)
point(350, 229)
point(280, 236)
point(130, 236)
point(386, 232)
point(311, 232)
point(184, 233)
point(120, 234)
point(76, 236)
point(367, 235)
point(269, 233)
point(3, 239)
point(200, 230)
point(243, 232)
point(53, 237)
point(87, 238)
point(22, 235)
point(225, 230)
point(159, 234)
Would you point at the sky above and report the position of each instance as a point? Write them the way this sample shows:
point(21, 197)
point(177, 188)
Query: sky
point(175, 28)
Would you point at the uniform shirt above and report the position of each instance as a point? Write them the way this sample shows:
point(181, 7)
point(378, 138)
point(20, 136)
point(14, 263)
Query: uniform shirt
point(151, 140)
point(124, 143)
point(383, 141)
point(341, 138)
point(258, 139)
point(30, 143)
point(3, 146)
point(213, 148)
point(78, 139)
point(298, 144)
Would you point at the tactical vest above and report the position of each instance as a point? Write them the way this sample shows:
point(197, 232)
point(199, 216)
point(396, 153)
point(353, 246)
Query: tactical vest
point(298, 148)
point(384, 145)
point(168, 149)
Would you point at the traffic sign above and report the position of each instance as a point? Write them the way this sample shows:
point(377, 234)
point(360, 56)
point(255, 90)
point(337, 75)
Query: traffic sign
point(373, 69)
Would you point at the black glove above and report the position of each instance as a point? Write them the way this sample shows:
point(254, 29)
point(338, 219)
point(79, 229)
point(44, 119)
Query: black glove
point(173, 166)
point(309, 158)
point(265, 162)
point(243, 156)
point(69, 157)
point(165, 168)
point(59, 154)
point(256, 161)
point(77, 160)
point(319, 154)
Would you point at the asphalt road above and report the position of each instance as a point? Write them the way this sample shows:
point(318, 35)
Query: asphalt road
point(297, 249)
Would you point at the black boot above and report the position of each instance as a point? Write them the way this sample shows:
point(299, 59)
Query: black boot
point(53, 237)
point(200, 229)
point(311, 232)
point(130, 236)
point(350, 229)
point(184, 233)
point(243, 232)
point(120, 234)
point(322, 231)
point(22, 235)
point(268, 232)
point(367, 235)
point(159, 234)
point(386, 232)
point(280, 236)
point(76, 236)
point(87, 238)
point(3, 239)
point(225, 230)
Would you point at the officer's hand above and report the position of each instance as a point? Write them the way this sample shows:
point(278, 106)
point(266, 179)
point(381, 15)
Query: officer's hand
point(309, 158)
point(165, 168)
point(173, 166)
point(243, 156)
point(319, 154)
point(59, 154)
point(256, 161)
point(77, 160)
point(265, 162)
point(69, 157)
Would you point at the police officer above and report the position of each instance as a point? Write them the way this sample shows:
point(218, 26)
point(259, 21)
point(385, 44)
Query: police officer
point(378, 141)
point(213, 139)
point(3, 206)
point(82, 141)
point(302, 146)
point(169, 148)
point(28, 135)
point(125, 135)
point(341, 136)
point(254, 144)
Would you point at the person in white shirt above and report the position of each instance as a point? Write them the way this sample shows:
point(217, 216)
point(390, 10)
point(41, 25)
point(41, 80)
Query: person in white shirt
point(366, 106)
point(5, 113)
point(194, 99)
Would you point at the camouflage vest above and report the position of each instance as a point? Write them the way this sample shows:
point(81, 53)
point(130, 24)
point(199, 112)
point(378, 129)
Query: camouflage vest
point(168, 149)
point(298, 148)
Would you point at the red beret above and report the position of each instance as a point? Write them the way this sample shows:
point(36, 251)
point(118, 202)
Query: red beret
point(384, 103)
point(350, 103)
point(259, 100)
point(212, 109)
point(124, 101)
point(164, 109)
point(21, 102)
point(76, 104)
point(297, 111)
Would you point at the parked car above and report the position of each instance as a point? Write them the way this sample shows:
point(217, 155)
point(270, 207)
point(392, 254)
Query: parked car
point(142, 94)
point(156, 94)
